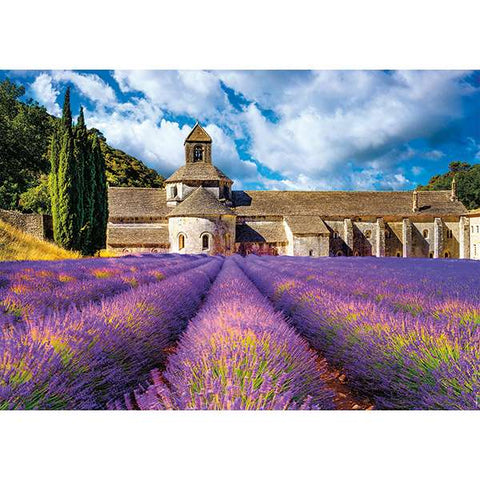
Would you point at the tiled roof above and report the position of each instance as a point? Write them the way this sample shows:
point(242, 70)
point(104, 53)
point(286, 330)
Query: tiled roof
point(270, 232)
point(197, 171)
point(474, 213)
point(137, 202)
point(200, 202)
point(307, 224)
point(198, 134)
point(142, 236)
point(344, 204)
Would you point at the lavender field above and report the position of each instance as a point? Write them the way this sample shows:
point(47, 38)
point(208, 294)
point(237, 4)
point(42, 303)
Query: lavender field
point(197, 332)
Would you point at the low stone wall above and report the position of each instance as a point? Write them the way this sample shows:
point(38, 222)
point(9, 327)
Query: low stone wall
point(35, 224)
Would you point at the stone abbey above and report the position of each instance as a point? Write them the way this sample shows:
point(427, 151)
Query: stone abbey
point(198, 211)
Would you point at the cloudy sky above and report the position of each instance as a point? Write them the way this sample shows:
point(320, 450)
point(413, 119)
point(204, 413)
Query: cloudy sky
point(307, 130)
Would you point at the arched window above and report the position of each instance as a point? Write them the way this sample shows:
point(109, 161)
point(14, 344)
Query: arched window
point(310, 253)
point(181, 241)
point(446, 255)
point(197, 153)
point(339, 253)
point(388, 234)
point(425, 233)
point(449, 234)
point(173, 191)
point(205, 241)
point(399, 254)
point(227, 241)
point(368, 233)
point(430, 255)
point(335, 234)
point(356, 254)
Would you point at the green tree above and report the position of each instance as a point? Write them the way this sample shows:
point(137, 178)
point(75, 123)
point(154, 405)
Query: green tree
point(37, 199)
point(100, 215)
point(25, 129)
point(468, 182)
point(86, 169)
point(66, 185)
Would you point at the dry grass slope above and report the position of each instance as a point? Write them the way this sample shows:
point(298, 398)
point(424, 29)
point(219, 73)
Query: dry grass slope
point(17, 245)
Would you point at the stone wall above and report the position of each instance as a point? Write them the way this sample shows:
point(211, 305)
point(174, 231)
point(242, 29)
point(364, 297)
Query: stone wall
point(221, 231)
point(37, 225)
point(311, 245)
point(475, 238)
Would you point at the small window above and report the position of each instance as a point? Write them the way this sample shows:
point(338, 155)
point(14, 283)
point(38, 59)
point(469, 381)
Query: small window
point(430, 255)
point(335, 235)
point(227, 241)
point(446, 255)
point(173, 191)
point(310, 253)
point(356, 254)
point(205, 241)
point(181, 241)
point(339, 253)
point(449, 234)
point(399, 254)
point(388, 234)
point(368, 234)
point(425, 233)
point(478, 229)
point(226, 192)
point(197, 153)
point(475, 249)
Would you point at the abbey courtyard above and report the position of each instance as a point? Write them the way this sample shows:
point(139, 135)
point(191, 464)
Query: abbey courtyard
point(198, 211)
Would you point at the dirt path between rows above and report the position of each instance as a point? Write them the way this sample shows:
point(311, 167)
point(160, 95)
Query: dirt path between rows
point(344, 398)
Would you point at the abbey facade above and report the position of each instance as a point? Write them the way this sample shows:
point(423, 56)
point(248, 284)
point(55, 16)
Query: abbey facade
point(198, 211)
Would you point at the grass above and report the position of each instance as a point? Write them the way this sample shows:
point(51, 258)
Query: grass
point(17, 245)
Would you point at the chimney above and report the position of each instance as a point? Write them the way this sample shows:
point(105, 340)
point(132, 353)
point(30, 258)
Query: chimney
point(415, 201)
point(453, 194)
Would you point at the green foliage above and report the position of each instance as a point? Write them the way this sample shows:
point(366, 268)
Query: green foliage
point(468, 183)
point(100, 215)
point(86, 184)
point(37, 199)
point(25, 130)
point(126, 171)
point(27, 151)
point(66, 224)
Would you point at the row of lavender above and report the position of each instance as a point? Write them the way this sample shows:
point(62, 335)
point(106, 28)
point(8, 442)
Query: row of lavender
point(237, 353)
point(78, 359)
point(406, 335)
point(55, 286)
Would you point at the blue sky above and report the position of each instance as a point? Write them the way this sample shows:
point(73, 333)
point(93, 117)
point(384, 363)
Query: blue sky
point(305, 130)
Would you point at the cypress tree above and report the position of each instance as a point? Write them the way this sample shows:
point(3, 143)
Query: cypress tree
point(85, 184)
point(65, 184)
point(67, 113)
point(100, 216)
point(65, 224)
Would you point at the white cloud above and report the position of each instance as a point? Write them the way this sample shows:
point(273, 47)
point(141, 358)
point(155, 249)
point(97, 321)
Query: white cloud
point(46, 94)
point(330, 119)
point(90, 85)
point(313, 130)
point(194, 93)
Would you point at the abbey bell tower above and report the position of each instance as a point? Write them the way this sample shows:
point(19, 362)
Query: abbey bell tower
point(198, 146)
point(198, 171)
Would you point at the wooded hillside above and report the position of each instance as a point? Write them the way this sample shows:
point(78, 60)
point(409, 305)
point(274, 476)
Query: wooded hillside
point(25, 133)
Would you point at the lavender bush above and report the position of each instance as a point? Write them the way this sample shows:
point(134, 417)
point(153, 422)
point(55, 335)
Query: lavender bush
point(403, 339)
point(237, 353)
point(79, 359)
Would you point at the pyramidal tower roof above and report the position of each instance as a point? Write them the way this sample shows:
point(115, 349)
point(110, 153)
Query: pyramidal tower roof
point(200, 202)
point(198, 134)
